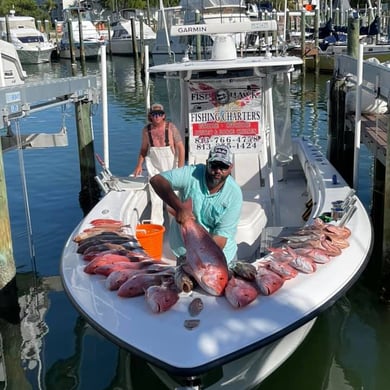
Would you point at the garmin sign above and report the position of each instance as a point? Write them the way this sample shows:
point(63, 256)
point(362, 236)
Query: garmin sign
point(223, 28)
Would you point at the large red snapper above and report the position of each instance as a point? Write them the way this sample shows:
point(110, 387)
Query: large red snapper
point(161, 298)
point(205, 260)
point(240, 292)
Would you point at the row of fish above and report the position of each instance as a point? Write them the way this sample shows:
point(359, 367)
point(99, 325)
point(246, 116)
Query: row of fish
point(111, 252)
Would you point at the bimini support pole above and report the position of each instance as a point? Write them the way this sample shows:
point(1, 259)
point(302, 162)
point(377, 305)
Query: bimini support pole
point(358, 117)
point(106, 146)
point(272, 144)
point(147, 80)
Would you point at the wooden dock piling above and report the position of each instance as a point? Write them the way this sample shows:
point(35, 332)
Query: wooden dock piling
point(135, 45)
point(81, 45)
point(336, 129)
point(71, 46)
point(7, 263)
point(90, 192)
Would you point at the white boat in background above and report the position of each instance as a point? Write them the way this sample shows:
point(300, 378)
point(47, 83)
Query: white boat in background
point(11, 71)
point(32, 45)
point(173, 48)
point(287, 185)
point(122, 37)
point(91, 39)
point(327, 56)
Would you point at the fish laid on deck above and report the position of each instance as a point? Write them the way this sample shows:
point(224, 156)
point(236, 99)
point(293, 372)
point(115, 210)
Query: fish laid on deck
point(132, 272)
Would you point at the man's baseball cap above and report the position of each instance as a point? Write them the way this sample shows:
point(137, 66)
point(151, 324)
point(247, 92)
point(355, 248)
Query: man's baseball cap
point(221, 153)
point(156, 107)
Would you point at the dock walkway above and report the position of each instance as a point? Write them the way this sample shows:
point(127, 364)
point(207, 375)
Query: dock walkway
point(374, 133)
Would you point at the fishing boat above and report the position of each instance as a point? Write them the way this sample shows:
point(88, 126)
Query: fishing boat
point(287, 185)
point(11, 70)
point(78, 27)
point(32, 45)
point(122, 36)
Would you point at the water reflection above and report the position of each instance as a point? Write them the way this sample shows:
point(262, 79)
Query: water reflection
point(345, 350)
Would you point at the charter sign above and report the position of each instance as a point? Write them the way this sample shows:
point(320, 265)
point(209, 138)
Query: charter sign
point(227, 112)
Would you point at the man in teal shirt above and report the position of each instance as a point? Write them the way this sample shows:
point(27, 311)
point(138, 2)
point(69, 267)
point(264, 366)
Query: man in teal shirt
point(216, 199)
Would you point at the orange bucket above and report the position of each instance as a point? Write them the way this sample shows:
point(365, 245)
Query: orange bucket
point(151, 238)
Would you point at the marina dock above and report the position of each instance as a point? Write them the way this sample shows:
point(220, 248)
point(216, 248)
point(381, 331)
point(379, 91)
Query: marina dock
point(366, 86)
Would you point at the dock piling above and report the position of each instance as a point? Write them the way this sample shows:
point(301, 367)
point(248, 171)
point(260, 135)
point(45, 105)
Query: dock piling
point(7, 263)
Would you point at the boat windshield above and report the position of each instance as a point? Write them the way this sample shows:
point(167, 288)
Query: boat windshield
point(31, 39)
point(202, 4)
point(235, 109)
point(73, 13)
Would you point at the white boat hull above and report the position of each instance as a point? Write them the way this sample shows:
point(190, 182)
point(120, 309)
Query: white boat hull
point(327, 58)
point(11, 71)
point(124, 46)
point(90, 36)
point(252, 369)
point(37, 55)
point(31, 44)
point(91, 50)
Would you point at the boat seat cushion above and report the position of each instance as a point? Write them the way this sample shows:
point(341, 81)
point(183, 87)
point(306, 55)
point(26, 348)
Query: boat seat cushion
point(253, 219)
point(246, 172)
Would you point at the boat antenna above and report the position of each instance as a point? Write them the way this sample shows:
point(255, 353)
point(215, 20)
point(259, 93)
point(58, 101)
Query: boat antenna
point(162, 10)
point(25, 197)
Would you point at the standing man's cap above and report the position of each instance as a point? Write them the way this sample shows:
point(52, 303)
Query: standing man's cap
point(221, 153)
point(157, 107)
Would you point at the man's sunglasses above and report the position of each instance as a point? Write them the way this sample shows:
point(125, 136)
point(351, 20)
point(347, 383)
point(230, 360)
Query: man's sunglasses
point(157, 113)
point(214, 165)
